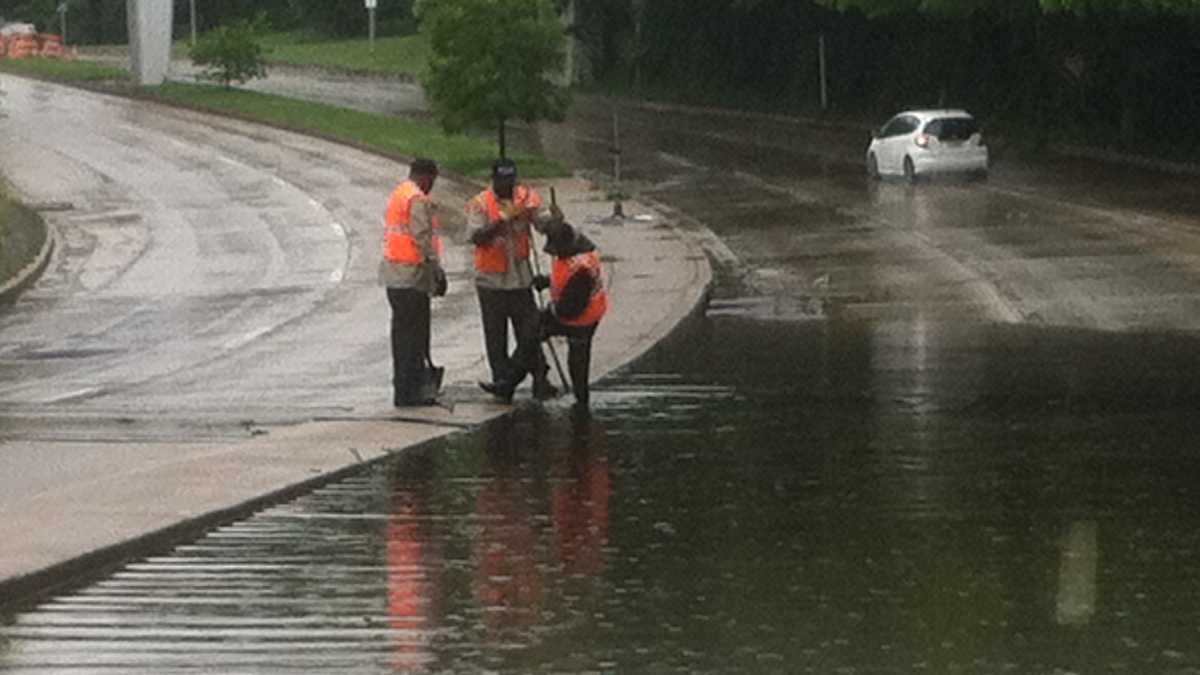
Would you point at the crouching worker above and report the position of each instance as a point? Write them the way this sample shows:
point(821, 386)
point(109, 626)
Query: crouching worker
point(577, 299)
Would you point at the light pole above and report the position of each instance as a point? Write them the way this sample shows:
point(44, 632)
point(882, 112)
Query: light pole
point(371, 24)
point(62, 21)
point(824, 81)
point(192, 7)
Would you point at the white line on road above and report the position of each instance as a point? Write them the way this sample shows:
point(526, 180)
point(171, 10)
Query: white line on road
point(78, 393)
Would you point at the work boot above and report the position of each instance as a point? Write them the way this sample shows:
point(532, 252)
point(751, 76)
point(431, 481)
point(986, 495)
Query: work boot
point(414, 402)
point(501, 391)
point(409, 399)
point(544, 391)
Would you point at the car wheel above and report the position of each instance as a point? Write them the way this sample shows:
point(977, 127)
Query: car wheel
point(872, 166)
point(980, 175)
point(910, 172)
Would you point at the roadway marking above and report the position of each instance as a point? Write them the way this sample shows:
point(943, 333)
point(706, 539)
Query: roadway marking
point(246, 339)
point(78, 393)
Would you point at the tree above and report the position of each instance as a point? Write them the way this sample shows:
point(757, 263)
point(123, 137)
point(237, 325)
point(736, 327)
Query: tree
point(493, 61)
point(232, 53)
point(879, 7)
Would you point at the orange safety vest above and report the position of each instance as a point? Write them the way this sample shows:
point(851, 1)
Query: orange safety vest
point(399, 245)
point(563, 269)
point(492, 257)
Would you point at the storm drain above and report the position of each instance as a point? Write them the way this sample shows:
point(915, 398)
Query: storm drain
point(331, 581)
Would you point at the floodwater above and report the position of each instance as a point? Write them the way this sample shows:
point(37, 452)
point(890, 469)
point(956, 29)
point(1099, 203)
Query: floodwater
point(753, 496)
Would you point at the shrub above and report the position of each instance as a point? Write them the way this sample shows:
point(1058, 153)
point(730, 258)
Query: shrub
point(232, 53)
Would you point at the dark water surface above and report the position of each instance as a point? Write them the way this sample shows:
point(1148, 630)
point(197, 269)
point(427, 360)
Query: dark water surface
point(804, 497)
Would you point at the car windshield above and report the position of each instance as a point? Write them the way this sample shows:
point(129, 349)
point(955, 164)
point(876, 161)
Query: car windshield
point(952, 128)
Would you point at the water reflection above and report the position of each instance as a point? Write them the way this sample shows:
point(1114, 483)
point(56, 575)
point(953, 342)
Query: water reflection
point(579, 501)
point(1076, 601)
point(867, 497)
point(508, 579)
point(415, 565)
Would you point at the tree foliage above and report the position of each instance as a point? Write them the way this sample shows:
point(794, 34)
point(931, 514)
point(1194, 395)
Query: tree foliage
point(493, 61)
point(876, 8)
point(232, 53)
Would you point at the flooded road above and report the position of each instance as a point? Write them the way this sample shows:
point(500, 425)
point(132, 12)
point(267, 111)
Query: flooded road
point(792, 497)
point(802, 233)
point(944, 428)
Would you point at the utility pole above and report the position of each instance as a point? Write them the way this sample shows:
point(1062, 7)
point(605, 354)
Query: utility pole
point(821, 59)
point(62, 21)
point(639, 18)
point(192, 6)
point(371, 24)
point(618, 209)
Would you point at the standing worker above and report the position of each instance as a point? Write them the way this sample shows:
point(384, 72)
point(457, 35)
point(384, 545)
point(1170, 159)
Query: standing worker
point(499, 219)
point(577, 299)
point(411, 270)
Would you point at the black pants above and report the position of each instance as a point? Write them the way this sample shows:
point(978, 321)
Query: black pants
point(410, 341)
point(499, 308)
point(579, 354)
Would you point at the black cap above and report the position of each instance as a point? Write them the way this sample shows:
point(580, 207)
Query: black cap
point(423, 166)
point(504, 168)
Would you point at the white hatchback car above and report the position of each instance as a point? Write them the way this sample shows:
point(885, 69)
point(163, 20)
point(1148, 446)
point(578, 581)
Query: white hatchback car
point(921, 142)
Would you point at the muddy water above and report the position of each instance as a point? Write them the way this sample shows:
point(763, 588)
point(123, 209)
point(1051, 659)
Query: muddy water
point(754, 496)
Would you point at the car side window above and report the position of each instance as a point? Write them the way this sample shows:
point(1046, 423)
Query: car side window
point(894, 127)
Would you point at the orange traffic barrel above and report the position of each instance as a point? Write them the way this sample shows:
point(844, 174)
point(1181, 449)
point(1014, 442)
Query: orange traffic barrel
point(22, 46)
point(51, 45)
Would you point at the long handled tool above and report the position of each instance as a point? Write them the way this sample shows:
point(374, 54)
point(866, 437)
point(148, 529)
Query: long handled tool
point(537, 269)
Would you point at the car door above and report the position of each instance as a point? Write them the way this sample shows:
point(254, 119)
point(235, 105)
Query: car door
point(891, 144)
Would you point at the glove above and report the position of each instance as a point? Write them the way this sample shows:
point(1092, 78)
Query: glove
point(440, 284)
point(541, 282)
point(483, 237)
point(552, 222)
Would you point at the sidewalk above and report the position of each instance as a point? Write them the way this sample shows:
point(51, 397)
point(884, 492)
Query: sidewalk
point(84, 506)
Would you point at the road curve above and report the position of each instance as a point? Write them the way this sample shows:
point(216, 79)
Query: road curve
point(186, 245)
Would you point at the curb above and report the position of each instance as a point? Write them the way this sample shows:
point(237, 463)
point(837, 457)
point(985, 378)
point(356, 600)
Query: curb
point(1117, 157)
point(18, 593)
point(26, 276)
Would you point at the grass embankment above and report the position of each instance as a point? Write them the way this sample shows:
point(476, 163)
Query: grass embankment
point(58, 69)
point(404, 56)
point(22, 234)
point(466, 155)
point(396, 56)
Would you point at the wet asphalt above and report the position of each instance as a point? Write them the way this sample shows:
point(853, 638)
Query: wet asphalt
point(942, 428)
point(814, 497)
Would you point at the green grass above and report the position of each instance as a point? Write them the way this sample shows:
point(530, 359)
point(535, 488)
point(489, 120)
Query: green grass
point(21, 236)
point(399, 56)
point(63, 69)
point(404, 56)
point(465, 155)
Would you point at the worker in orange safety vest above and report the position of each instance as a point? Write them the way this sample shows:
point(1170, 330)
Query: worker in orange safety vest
point(577, 299)
point(411, 270)
point(499, 219)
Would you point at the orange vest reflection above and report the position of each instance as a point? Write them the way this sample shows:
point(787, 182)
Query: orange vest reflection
point(508, 580)
point(579, 504)
point(412, 584)
point(513, 550)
